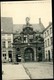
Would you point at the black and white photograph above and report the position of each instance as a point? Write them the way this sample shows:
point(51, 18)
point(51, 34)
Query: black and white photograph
point(26, 40)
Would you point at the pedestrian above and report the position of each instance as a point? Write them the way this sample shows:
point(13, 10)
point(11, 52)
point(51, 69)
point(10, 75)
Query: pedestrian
point(9, 59)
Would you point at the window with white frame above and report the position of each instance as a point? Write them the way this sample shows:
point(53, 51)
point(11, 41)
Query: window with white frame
point(9, 44)
point(3, 44)
point(47, 32)
point(51, 38)
point(48, 42)
point(30, 38)
point(4, 56)
point(25, 39)
point(52, 53)
point(50, 30)
point(46, 55)
point(45, 43)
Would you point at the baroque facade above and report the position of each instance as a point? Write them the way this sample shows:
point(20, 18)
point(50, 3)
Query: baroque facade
point(29, 44)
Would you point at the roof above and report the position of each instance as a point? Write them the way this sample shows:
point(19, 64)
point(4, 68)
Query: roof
point(47, 27)
point(6, 24)
point(36, 27)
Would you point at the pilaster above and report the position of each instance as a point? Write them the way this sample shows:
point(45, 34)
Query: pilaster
point(34, 54)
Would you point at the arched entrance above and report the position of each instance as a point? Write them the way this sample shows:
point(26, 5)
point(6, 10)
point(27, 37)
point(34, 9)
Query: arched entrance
point(28, 54)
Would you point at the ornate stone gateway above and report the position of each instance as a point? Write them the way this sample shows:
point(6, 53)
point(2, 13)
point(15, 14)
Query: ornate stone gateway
point(28, 44)
point(29, 54)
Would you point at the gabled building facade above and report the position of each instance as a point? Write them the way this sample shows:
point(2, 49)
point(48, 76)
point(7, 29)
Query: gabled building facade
point(6, 39)
point(48, 42)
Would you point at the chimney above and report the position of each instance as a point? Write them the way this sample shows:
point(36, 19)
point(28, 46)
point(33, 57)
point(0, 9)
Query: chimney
point(39, 20)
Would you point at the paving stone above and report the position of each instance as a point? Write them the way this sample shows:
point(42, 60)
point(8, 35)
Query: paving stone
point(14, 72)
point(40, 70)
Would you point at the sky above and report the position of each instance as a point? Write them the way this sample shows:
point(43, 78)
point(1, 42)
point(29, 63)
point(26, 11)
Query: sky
point(19, 10)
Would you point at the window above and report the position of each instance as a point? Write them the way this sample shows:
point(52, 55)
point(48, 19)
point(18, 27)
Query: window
point(48, 42)
point(45, 43)
point(3, 44)
point(39, 48)
point(46, 52)
point(31, 40)
point(50, 30)
point(4, 55)
point(30, 36)
point(3, 50)
point(18, 49)
point(47, 32)
point(9, 44)
point(19, 38)
point(52, 53)
point(25, 38)
point(51, 40)
point(46, 55)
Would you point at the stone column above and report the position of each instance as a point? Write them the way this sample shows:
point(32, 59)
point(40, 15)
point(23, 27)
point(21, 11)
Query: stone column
point(7, 57)
point(22, 38)
point(22, 55)
point(14, 55)
point(34, 54)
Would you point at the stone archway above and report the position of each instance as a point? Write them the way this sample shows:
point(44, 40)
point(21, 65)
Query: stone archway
point(28, 54)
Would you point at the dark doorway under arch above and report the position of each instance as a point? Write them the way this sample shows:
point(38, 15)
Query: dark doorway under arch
point(28, 54)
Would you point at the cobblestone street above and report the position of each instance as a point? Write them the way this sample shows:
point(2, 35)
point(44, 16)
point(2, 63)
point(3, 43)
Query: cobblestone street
point(12, 71)
point(41, 70)
point(28, 70)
